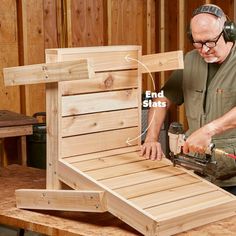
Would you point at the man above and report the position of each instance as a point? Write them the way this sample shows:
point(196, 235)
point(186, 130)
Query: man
point(207, 86)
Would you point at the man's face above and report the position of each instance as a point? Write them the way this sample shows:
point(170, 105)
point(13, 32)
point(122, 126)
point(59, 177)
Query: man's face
point(208, 38)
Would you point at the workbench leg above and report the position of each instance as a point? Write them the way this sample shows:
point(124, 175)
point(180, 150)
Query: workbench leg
point(22, 152)
point(4, 161)
point(21, 232)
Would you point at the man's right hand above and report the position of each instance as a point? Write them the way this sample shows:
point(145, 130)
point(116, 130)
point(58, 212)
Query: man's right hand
point(152, 150)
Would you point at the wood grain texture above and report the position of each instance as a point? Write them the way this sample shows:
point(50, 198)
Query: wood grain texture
point(9, 97)
point(46, 73)
point(98, 122)
point(63, 200)
point(99, 102)
point(114, 80)
point(89, 143)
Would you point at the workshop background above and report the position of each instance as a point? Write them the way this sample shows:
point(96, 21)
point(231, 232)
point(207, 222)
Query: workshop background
point(28, 27)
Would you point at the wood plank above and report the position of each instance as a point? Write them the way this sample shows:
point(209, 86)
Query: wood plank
point(162, 61)
point(32, 23)
point(158, 185)
point(87, 23)
point(101, 59)
point(9, 51)
point(174, 194)
point(98, 102)
point(96, 142)
point(125, 169)
point(102, 82)
point(187, 205)
point(197, 218)
point(141, 177)
point(46, 73)
point(104, 121)
point(105, 162)
point(15, 131)
point(53, 148)
point(63, 200)
point(103, 154)
point(116, 205)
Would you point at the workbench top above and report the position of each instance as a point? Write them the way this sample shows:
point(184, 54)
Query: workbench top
point(73, 223)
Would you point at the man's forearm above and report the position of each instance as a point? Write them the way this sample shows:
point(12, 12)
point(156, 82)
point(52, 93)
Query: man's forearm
point(223, 123)
point(156, 117)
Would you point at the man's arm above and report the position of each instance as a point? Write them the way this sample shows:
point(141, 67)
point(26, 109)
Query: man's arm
point(201, 138)
point(156, 116)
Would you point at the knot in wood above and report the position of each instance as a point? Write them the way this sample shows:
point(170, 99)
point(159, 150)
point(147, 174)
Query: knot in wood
point(108, 82)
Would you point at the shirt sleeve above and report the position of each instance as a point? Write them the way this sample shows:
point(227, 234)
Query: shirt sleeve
point(173, 88)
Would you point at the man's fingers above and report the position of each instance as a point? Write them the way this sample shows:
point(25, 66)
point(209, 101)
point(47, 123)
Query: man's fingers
point(185, 148)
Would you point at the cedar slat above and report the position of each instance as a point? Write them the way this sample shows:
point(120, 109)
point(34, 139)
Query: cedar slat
point(97, 142)
point(105, 162)
point(104, 121)
point(187, 204)
point(102, 82)
point(107, 153)
point(98, 102)
point(174, 194)
point(141, 177)
point(124, 169)
point(158, 185)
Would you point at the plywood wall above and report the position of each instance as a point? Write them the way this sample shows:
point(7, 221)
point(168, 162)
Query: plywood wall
point(28, 27)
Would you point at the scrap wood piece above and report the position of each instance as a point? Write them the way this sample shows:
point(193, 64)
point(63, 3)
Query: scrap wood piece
point(162, 62)
point(47, 72)
point(64, 200)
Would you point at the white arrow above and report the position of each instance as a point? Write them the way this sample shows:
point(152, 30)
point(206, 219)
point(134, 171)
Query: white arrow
point(130, 140)
point(128, 59)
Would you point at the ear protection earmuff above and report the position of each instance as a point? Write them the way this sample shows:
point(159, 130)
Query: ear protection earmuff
point(229, 29)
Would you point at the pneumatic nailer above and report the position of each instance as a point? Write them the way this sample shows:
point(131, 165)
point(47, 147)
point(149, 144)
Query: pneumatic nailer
point(202, 164)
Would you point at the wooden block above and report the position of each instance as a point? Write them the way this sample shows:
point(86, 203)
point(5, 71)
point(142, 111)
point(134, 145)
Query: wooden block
point(46, 73)
point(63, 200)
point(162, 62)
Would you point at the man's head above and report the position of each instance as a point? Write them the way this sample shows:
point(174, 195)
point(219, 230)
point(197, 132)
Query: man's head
point(207, 30)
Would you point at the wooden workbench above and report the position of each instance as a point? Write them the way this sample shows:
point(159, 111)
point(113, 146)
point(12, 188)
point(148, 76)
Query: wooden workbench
point(73, 223)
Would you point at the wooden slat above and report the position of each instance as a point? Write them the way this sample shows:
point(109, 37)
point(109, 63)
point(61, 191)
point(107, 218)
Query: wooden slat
point(197, 218)
point(98, 102)
point(102, 82)
point(102, 141)
point(99, 122)
point(141, 177)
point(116, 205)
point(105, 162)
point(15, 131)
point(102, 154)
point(174, 194)
point(63, 200)
point(162, 61)
point(108, 58)
point(124, 169)
point(188, 204)
point(159, 185)
point(46, 73)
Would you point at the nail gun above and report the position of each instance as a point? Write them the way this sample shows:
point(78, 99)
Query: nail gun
point(202, 164)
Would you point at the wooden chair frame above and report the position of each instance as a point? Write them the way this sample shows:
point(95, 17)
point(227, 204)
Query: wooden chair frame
point(93, 98)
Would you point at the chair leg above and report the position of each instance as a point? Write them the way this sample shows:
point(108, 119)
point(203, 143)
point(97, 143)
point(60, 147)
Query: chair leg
point(21, 232)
